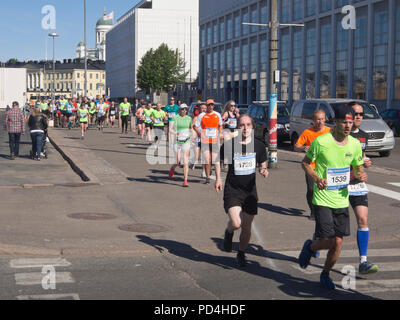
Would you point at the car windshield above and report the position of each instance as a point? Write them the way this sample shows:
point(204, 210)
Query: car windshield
point(283, 112)
point(369, 112)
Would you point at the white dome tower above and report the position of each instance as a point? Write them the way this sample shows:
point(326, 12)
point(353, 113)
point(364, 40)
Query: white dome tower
point(80, 50)
point(103, 25)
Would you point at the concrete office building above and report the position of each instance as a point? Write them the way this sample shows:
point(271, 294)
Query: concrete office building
point(149, 24)
point(319, 60)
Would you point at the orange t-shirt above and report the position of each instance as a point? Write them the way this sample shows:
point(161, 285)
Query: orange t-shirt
point(309, 135)
point(209, 124)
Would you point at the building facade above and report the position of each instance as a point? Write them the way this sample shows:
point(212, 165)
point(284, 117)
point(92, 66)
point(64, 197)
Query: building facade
point(69, 78)
point(149, 24)
point(320, 60)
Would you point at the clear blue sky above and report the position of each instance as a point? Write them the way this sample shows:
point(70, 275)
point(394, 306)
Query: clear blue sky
point(22, 36)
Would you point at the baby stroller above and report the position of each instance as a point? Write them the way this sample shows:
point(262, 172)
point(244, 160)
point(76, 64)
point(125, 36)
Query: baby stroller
point(44, 151)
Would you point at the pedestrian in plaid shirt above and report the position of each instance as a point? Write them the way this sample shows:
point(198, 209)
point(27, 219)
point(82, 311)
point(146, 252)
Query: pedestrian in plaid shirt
point(14, 123)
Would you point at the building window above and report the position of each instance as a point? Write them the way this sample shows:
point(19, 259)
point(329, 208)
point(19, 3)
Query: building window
point(228, 60)
point(380, 51)
point(215, 69)
point(221, 30)
point(208, 62)
point(236, 58)
point(229, 28)
point(360, 55)
point(215, 32)
point(254, 17)
point(310, 61)
point(311, 6)
point(341, 3)
point(298, 6)
point(341, 60)
point(97, 76)
point(237, 23)
point(397, 57)
point(253, 55)
point(78, 75)
point(325, 75)
point(203, 37)
point(208, 34)
point(221, 66)
point(285, 11)
point(326, 5)
point(245, 18)
point(285, 67)
point(245, 56)
point(297, 56)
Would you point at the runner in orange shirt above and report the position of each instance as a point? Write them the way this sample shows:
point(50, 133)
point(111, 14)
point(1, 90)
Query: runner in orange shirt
point(210, 123)
point(304, 143)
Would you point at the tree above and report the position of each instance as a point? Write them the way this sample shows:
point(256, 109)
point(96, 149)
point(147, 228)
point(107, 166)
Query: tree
point(161, 69)
point(12, 61)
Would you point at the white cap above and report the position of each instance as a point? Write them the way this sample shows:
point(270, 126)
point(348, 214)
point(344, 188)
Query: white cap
point(183, 106)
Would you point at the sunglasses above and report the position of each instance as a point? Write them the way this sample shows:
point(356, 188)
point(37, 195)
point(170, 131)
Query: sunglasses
point(361, 114)
point(211, 104)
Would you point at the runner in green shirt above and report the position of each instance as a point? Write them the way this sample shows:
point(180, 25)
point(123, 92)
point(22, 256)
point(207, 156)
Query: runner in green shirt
point(83, 114)
point(147, 113)
point(333, 154)
point(180, 129)
point(158, 117)
point(124, 109)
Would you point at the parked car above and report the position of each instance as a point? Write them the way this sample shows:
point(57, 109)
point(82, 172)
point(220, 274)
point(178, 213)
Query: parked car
point(258, 111)
point(392, 118)
point(218, 108)
point(381, 137)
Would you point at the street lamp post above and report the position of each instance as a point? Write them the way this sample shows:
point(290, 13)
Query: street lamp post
point(275, 78)
point(53, 95)
point(84, 26)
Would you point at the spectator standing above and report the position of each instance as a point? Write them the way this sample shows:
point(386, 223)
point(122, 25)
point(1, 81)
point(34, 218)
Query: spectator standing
point(14, 123)
point(37, 125)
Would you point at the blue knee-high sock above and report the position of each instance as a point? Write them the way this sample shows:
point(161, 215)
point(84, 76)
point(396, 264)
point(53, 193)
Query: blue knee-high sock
point(362, 241)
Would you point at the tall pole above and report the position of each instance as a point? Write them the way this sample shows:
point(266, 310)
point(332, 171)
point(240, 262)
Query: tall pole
point(53, 95)
point(273, 99)
point(84, 23)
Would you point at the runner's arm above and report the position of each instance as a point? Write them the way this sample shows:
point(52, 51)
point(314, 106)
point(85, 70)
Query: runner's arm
point(306, 164)
point(360, 174)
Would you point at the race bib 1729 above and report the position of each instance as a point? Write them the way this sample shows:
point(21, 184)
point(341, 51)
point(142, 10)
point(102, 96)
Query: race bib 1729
point(245, 164)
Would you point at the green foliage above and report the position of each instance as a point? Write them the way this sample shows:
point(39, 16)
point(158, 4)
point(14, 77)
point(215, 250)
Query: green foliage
point(161, 69)
point(12, 61)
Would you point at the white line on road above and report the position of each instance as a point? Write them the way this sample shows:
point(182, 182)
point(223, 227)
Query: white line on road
point(384, 192)
point(32, 279)
point(396, 184)
point(350, 253)
point(374, 286)
point(383, 267)
point(39, 263)
point(270, 262)
point(68, 296)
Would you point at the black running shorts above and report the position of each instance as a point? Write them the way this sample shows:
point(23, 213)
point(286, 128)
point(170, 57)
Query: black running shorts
point(356, 201)
point(330, 223)
point(248, 201)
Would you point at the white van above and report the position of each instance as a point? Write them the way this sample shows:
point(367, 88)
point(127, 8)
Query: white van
point(380, 138)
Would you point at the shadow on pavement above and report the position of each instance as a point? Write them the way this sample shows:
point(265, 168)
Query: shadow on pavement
point(283, 211)
point(291, 286)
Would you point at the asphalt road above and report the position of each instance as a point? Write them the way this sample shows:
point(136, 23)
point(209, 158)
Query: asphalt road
point(181, 260)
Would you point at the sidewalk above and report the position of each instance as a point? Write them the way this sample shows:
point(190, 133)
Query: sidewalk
point(24, 172)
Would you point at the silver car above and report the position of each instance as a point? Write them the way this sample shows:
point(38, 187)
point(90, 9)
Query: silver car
point(380, 138)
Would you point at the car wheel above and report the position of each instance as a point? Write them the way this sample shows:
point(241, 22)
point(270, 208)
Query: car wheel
point(385, 154)
point(293, 140)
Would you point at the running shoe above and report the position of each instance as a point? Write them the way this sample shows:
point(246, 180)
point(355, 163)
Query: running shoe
point(367, 268)
point(171, 173)
point(228, 241)
point(241, 259)
point(194, 166)
point(203, 175)
point(305, 255)
point(326, 282)
point(185, 184)
point(208, 181)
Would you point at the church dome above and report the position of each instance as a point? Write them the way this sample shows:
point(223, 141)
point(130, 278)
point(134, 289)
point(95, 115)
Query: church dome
point(81, 44)
point(102, 22)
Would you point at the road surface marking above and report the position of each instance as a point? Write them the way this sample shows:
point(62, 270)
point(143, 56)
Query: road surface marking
point(396, 184)
point(39, 263)
point(313, 269)
point(270, 262)
point(349, 253)
point(67, 296)
point(374, 286)
point(32, 279)
point(384, 192)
